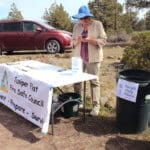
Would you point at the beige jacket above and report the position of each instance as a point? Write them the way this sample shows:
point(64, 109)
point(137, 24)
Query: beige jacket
point(95, 31)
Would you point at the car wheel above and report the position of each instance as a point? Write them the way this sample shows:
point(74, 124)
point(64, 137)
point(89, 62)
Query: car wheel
point(62, 51)
point(9, 52)
point(53, 46)
point(1, 51)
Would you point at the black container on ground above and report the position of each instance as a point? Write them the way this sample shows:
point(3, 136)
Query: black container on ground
point(134, 117)
point(70, 109)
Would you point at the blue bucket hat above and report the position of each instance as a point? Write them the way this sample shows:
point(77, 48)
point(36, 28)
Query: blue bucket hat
point(82, 13)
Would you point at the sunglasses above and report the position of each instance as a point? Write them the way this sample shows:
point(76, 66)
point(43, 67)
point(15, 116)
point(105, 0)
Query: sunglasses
point(84, 18)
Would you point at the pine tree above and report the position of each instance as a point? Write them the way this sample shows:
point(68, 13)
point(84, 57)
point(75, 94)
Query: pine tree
point(14, 13)
point(58, 17)
point(138, 3)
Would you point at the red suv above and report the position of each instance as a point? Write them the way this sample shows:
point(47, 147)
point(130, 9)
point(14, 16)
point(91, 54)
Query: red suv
point(31, 35)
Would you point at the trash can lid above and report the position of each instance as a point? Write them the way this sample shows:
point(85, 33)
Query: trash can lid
point(70, 95)
point(135, 75)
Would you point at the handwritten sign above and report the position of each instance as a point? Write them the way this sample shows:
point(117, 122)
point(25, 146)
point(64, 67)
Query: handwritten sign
point(24, 95)
point(127, 90)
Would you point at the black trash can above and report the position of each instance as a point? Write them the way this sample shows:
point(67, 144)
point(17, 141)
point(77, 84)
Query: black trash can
point(70, 109)
point(133, 117)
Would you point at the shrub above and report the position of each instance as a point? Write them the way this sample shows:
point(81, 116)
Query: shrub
point(118, 38)
point(137, 54)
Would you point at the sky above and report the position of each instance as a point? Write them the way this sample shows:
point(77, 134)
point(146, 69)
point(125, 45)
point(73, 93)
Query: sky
point(34, 9)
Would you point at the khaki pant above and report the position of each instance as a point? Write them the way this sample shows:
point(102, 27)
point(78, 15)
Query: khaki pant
point(91, 68)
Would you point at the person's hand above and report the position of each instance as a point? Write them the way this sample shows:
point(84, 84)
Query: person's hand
point(85, 39)
point(90, 40)
point(79, 39)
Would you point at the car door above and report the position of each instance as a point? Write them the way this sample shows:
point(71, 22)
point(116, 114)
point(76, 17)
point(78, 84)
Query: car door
point(28, 36)
point(10, 35)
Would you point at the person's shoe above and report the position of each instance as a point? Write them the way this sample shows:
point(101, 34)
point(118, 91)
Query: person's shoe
point(95, 111)
point(80, 105)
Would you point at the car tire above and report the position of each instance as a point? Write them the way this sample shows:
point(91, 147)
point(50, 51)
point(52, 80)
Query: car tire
point(1, 51)
point(9, 52)
point(53, 46)
point(62, 51)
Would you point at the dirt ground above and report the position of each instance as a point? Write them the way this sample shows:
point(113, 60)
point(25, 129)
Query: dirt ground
point(96, 133)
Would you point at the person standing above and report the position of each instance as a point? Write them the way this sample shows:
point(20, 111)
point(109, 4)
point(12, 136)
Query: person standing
point(88, 39)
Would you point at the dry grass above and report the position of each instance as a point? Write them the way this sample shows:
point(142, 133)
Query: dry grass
point(70, 134)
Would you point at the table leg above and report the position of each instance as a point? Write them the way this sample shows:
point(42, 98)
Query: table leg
point(52, 119)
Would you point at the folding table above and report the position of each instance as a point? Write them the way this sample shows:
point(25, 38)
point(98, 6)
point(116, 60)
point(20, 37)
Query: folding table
point(26, 87)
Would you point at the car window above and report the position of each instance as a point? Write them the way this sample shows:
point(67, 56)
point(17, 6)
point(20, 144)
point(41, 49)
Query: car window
point(11, 27)
point(29, 27)
point(47, 25)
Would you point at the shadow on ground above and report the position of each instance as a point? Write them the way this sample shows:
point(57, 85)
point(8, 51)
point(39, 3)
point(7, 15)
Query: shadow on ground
point(30, 52)
point(96, 126)
point(121, 143)
point(17, 125)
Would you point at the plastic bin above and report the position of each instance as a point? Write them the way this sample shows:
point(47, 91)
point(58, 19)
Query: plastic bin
point(133, 117)
point(70, 109)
